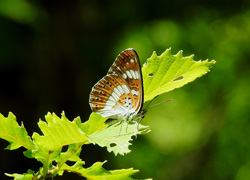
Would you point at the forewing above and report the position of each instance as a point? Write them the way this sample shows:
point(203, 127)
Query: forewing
point(127, 65)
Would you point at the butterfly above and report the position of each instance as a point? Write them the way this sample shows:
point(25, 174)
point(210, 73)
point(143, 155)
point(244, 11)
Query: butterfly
point(119, 95)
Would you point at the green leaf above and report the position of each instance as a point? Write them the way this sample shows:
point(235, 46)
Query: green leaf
point(72, 154)
point(43, 154)
point(18, 10)
point(95, 123)
point(97, 172)
point(166, 72)
point(25, 176)
point(115, 140)
point(15, 134)
point(58, 132)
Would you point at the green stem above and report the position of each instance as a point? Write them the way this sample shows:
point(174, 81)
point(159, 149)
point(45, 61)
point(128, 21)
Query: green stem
point(46, 166)
point(73, 152)
point(66, 159)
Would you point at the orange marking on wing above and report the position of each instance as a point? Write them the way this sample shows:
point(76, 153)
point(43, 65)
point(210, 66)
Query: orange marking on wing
point(122, 100)
point(123, 60)
point(96, 106)
point(134, 84)
point(135, 100)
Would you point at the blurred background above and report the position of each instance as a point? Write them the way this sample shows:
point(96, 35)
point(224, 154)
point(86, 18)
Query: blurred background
point(53, 52)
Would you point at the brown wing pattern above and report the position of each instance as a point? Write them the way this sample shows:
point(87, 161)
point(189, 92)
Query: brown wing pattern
point(121, 90)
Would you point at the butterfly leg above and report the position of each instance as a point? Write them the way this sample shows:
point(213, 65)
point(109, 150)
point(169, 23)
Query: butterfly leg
point(139, 124)
point(127, 127)
point(120, 129)
point(135, 130)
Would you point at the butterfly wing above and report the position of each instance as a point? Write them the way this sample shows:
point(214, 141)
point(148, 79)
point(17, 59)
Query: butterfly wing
point(120, 92)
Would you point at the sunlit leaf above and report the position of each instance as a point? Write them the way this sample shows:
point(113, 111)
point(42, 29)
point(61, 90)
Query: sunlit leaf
point(95, 123)
point(116, 137)
point(25, 176)
point(72, 153)
point(97, 172)
point(57, 132)
point(16, 135)
point(166, 72)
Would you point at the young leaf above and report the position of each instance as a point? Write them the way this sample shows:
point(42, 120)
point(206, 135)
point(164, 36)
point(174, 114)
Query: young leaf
point(97, 172)
point(25, 176)
point(15, 134)
point(166, 72)
point(72, 154)
point(116, 137)
point(95, 123)
point(43, 154)
point(58, 132)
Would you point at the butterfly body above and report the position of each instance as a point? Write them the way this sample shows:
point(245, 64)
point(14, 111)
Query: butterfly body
point(119, 94)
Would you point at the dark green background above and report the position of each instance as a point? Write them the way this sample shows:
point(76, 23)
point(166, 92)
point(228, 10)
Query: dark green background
point(53, 52)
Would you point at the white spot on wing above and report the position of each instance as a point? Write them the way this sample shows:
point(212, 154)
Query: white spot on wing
point(132, 60)
point(120, 89)
point(106, 111)
point(121, 112)
point(125, 88)
point(114, 95)
point(111, 98)
point(134, 92)
point(117, 92)
point(137, 74)
point(124, 76)
point(133, 73)
point(129, 74)
point(109, 103)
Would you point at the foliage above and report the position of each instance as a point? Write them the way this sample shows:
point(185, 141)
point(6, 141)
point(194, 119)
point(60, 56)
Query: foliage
point(165, 72)
point(161, 74)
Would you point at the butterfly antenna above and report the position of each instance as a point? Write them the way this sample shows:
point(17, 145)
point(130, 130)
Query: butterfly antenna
point(160, 103)
point(151, 102)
